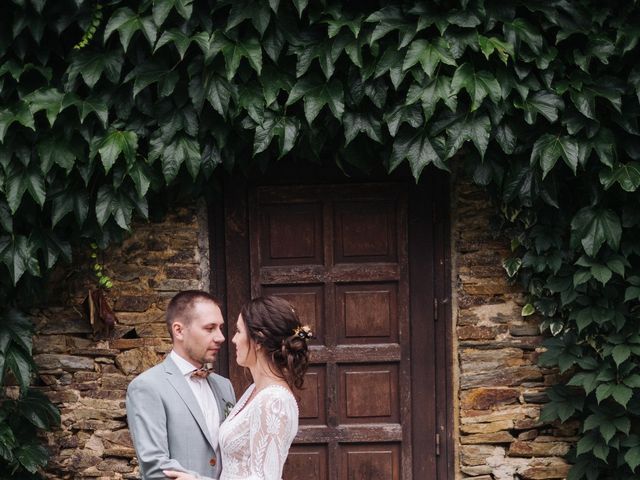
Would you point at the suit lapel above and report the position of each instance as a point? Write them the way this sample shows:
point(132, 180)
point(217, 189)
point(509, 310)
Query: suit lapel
point(218, 396)
point(182, 388)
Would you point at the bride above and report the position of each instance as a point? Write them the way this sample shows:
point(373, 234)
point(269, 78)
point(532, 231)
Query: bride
point(256, 435)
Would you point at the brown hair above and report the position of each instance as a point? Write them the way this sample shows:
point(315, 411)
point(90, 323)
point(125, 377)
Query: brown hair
point(271, 322)
point(182, 303)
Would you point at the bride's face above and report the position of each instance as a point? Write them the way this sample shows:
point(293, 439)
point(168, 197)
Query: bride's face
point(245, 349)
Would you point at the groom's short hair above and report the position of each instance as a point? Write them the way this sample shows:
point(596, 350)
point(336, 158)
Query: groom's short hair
point(182, 303)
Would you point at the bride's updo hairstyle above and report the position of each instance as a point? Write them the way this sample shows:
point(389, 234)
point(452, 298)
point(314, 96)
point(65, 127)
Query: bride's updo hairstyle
point(273, 323)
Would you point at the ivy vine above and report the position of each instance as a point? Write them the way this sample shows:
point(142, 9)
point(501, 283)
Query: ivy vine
point(543, 96)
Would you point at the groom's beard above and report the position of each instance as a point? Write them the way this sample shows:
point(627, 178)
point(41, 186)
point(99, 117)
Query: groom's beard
point(198, 356)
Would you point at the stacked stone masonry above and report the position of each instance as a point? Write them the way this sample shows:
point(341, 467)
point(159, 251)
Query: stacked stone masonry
point(87, 376)
point(500, 388)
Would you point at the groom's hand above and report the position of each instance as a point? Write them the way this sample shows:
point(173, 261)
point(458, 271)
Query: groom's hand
point(179, 475)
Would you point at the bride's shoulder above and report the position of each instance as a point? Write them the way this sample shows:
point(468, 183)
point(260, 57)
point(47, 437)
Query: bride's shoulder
point(277, 392)
point(275, 389)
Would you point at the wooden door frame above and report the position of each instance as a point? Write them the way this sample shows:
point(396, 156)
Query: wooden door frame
point(430, 291)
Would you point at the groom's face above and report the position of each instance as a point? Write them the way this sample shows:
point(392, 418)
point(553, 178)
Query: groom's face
point(202, 337)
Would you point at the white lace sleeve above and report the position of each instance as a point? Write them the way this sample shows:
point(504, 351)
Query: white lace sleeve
point(273, 425)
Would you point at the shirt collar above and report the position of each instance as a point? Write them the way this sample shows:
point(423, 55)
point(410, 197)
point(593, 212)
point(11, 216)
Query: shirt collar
point(183, 365)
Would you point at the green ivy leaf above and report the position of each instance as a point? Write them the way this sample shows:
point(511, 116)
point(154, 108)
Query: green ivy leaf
point(399, 115)
point(621, 353)
point(626, 175)
point(51, 100)
point(183, 150)
point(438, 88)
point(111, 203)
point(32, 456)
point(55, 151)
point(126, 22)
point(488, 45)
point(300, 6)
point(417, 149)
point(593, 227)
point(621, 394)
point(476, 128)
point(91, 67)
point(93, 104)
point(586, 444)
point(179, 39)
point(234, 52)
point(632, 457)
point(428, 54)
point(477, 84)
point(521, 30)
point(161, 10)
point(139, 172)
point(316, 95)
point(545, 103)
point(21, 180)
point(216, 90)
point(118, 142)
point(355, 123)
point(549, 148)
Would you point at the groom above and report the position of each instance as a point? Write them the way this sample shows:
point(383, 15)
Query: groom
point(174, 409)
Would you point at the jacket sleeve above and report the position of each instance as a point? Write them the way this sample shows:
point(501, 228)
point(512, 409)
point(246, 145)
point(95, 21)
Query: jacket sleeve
point(146, 417)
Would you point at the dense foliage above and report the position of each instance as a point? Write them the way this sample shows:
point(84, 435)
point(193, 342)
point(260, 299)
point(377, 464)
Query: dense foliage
point(105, 107)
point(25, 412)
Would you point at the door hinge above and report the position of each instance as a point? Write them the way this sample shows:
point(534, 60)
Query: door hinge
point(436, 306)
point(437, 444)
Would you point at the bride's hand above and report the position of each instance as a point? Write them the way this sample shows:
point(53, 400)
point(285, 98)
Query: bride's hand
point(178, 475)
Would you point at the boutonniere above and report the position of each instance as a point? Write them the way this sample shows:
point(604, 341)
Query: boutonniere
point(227, 408)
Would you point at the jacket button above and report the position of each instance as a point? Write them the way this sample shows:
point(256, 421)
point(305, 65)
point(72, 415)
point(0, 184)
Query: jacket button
point(213, 461)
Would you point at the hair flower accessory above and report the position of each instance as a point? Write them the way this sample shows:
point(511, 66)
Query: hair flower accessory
point(303, 332)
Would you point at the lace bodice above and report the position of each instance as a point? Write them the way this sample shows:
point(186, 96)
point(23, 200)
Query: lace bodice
point(255, 440)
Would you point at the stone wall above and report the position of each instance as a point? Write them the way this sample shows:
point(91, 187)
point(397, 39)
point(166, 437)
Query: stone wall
point(500, 387)
point(87, 376)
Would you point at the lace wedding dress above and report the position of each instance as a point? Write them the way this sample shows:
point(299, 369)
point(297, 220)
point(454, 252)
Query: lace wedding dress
point(255, 440)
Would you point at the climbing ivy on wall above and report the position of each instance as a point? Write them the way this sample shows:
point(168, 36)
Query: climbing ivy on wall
point(109, 107)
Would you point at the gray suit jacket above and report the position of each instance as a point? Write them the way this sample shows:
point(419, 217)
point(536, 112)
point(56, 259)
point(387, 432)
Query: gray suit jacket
point(167, 425)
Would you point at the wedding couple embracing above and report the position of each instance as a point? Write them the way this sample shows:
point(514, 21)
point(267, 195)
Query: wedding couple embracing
point(183, 418)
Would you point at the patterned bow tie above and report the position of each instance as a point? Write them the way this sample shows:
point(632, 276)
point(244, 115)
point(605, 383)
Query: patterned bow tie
point(202, 372)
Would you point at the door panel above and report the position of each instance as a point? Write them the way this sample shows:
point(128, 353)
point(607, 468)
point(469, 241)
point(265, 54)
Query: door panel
point(339, 254)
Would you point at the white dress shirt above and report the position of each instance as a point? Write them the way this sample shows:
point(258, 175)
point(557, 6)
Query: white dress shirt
point(203, 393)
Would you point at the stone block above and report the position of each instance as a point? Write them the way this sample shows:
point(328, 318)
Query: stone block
point(487, 438)
point(504, 377)
point(133, 303)
point(188, 272)
point(137, 360)
point(487, 398)
point(136, 319)
point(537, 449)
point(524, 330)
point(70, 363)
point(490, 427)
point(472, 455)
point(476, 470)
point(473, 332)
point(528, 435)
point(114, 465)
point(128, 343)
point(545, 469)
point(174, 285)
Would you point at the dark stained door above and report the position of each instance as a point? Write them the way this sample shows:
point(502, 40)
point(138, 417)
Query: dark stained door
point(340, 254)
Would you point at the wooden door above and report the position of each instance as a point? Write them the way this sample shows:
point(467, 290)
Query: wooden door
point(340, 254)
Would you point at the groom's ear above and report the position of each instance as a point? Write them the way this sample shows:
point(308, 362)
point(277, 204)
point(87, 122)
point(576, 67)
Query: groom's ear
point(177, 329)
